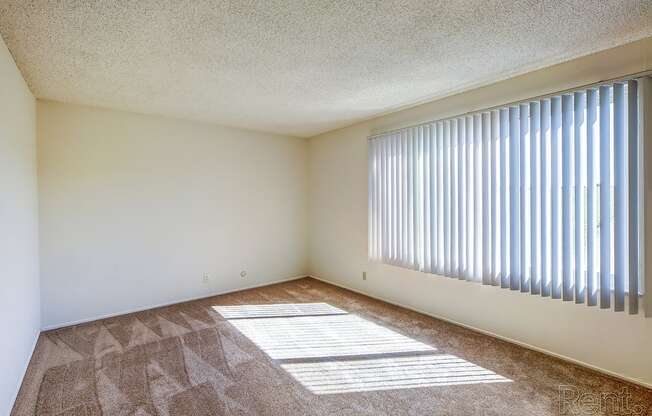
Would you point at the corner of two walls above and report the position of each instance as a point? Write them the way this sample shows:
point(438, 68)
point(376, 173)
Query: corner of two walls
point(19, 263)
point(610, 342)
point(131, 211)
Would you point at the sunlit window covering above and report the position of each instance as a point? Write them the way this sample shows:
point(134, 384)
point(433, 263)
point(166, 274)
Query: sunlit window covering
point(539, 197)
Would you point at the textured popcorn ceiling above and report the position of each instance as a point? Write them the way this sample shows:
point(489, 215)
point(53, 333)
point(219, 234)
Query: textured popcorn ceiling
point(296, 67)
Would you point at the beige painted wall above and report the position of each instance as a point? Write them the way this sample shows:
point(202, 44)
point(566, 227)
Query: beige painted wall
point(134, 209)
point(19, 271)
point(614, 342)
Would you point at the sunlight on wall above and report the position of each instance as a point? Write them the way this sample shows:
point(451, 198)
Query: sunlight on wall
point(330, 351)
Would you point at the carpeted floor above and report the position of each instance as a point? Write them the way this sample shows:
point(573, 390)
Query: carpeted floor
point(315, 349)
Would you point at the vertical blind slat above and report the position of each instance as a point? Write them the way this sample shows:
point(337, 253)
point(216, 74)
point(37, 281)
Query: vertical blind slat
point(396, 205)
point(567, 183)
point(394, 202)
point(378, 223)
point(404, 199)
point(514, 185)
point(426, 200)
point(385, 198)
point(605, 197)
point(419, 211)
point(486, 212)
point(413, 231)
point(620, 194)
point(381, 200)
point(555, 226)
point(578, 197)
point(440, 196)
point(524, 172)
point(409, 198)
point(470, 200)
point(546, 142)
point(454, 195)
point(468, 134)
point(403, 140)
point(477, 198)
point(535, 237)
point(461, 134)
point(433, 199)
point(447, 200)
point(592, 137)
point(372, 195)
point(633, 165)
point(495, 198)
point(504, 132)
point(390, 205)
point(413, 199)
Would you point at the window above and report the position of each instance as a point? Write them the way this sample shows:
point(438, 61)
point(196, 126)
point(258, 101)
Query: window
point(540, 197)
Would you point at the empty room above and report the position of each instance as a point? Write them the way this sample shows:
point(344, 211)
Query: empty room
point(326, 208)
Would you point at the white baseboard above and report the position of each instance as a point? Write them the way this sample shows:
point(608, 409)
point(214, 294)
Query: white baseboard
point(144, 308)
point(24, 372)
point(491, 334)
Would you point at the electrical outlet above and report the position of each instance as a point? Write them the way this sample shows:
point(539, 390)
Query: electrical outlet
point(364, 275)
point(243, 273)
point(206, 277)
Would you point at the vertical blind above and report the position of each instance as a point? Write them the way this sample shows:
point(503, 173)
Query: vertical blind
point(540, 197)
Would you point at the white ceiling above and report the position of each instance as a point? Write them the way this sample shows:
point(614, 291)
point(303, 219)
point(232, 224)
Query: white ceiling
point(297, 67)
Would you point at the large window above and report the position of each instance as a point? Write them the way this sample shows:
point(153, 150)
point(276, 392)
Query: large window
point(540, 197)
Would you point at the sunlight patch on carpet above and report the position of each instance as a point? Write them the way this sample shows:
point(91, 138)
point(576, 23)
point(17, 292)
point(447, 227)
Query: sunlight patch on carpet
point(332, 352)
point(277, 310)
point(324, 336)
point(391, 373)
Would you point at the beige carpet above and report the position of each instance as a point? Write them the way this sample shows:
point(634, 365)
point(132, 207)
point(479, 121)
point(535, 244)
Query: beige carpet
point(303, 348)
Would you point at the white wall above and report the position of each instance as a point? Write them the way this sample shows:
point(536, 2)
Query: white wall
point(134, 209)
point(613, 342)
point(19, 272)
